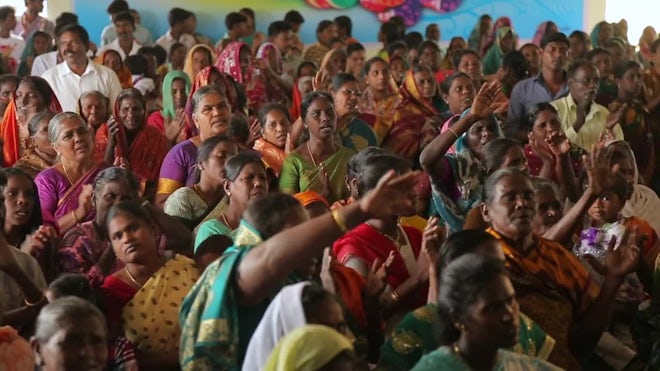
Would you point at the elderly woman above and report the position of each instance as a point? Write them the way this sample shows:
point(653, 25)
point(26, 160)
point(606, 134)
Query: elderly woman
point(568, 306)
point(212, 116)
point(94, 108)
point(65, 188)
point(32, 96)
point(40, 153)
point(129, 137)
point(319, 164)
point(63, 328)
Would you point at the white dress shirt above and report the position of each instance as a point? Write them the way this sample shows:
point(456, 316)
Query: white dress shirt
point(115, 46)
point(141, 34)
point(167, 40)
point(43, 63)
point(68, 86)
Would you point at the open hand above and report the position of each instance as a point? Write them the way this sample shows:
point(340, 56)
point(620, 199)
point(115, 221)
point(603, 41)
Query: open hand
point(432, 240)
point(174, 125)
point(598, 170)
point(558, 143)
point(35, 243)
point(376, 279)
point(540, 150)
point(482, 106)
point(625, 259)
point(326, 274)
point(255, 132)
point(394, 195)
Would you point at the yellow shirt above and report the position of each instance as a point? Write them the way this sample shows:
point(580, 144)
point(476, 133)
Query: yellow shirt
point(594, 124)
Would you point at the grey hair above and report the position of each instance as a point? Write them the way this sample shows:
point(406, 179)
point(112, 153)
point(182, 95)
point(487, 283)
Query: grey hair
point(33, 124)
point(116, 174)
point(60, 311)
point(97, 93)
point(543, 184)
point(203, 92)
point(494, 178)
point(56, 122)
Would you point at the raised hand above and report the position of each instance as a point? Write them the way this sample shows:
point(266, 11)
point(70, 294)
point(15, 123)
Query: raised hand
point(376, 279)
point(394, 195)
point(544, 153)
point(326, 274)
point(288, 146)
point(598, 170)
point(325, 181)
point(432, 240)
point(35, 243)
point(615, 115)
point(174, 125)
point(255, 132)
point(84, 201)
point(558, 143)
point(482, 106)
point(624, 259)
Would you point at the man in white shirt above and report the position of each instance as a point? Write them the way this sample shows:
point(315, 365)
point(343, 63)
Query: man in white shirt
point(77, 73)
point(125, 44)
point(582, 119)
point(109, 34)
point(31, 22)
point(11, 47)
point(182, 27)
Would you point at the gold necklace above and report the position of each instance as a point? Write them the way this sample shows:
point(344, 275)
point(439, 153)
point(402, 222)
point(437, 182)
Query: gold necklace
point(131, 277)
point(311, 155)
point(224, 219)
point(66, 173)
point(199, 193)
point(396, 241)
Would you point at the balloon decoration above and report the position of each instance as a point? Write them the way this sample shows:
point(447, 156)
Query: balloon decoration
point(410, 10)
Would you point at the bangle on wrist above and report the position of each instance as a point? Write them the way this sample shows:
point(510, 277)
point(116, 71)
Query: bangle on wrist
point(339, 220)
point(453, 132)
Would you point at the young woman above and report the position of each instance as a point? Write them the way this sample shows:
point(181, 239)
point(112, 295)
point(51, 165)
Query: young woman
point(472, 338)
point(40, 43)
point(380, 96)
point(457, 43)
point(244, 180)
point(32, 96)
point(192, 204)
point(235, 60)
point(142, 300)
point(506, 40)
point(267, 85)
point(111, 59)
point(318, 164)
point(607, 87)
point(274, 143)
point(171, 119)
point(199, 57)
point(40, 153)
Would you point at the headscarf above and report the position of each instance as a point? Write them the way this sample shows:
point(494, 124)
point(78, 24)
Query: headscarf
point(29, 52)
point(168, 101)
point(309, 197)
point(595, 34)
point(541, 30)
point(9, 132)
point(307, 349)
point(499, 23)
point(229, 61)
point(257, 93)
point(325, 74)
point(187, 65)
point(124, 74)
point(284, 314)
point(493, 58)
point(644, 202)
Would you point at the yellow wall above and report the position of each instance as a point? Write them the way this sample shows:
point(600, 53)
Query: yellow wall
point(55, 7)
point(594, 12)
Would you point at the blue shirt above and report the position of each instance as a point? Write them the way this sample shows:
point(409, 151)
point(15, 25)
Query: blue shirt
point(526, 93)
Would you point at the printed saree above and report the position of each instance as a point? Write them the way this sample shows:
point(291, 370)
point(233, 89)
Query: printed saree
point(229, 61)
point(357, 134)
point(445, 358)
point(272, 156)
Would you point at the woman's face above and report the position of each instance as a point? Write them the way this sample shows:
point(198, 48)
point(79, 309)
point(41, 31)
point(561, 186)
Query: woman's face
point(19, 200)
point(399, 69)
point(244, 60)
point(131, 113)
point(200, 60)
point(41, 45)
point(507, 42)
point(346, 98)
point(112, 61)
point(250, 183)
point(479, 135)
point(511, 211)
point(606, 208)
point(307, 71)
point(178, 56)
point(94, 110)
point(515, 157)
point(603, 63)
point(532, 56)
point(133, 239)
point(457, 43)
point(212, 116)
point(321, 119)
point(461, 94)
point(74, 142)
point(546, 121)
point(379, 76)
point(28, 99)
point(631, 82)
point(41, 141)
point(276, 128)
point(576, 47)
point(214, 166)
point(179, 93)
point(429, 57)
point(110, 194)
point(605, 32)
point(355, 62)
point(471, 65)
point(493, 319)
point(337, 63)
point(549, 209)
point(425, 83)
point(78, 344)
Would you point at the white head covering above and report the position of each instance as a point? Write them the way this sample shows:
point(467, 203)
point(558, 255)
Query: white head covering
point(284, 314)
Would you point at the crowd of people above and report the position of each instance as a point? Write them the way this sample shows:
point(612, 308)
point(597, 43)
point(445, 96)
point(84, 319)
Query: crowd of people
point(261, 204)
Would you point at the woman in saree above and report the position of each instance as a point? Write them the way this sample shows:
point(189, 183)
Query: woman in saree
point(352, 130)
point(334, 62)
point(506, 40)
point(302, 85)
point(171, 119)
point(32, 96)
point(199, 57)
point(499, 23)
point(636, 123)
point(267, 83)
point(275, 136)
point(142, 299)
point(192, 204)
point(111, 59)
point(457, 179)
point(319, 164)
point(94, 108)
point(235, 61)
point(380, 97)
point(600, 34)
point(244, 180)
point(376, 239)
point(543, 29)
point(211, 113)
point(221, 313)
point(552, 287)
point(468, 284)
point(128, 136)
point(479, 35)
point(65, 188)
point(455, 44)
point(414, 109)
point(40, 153)
point(415, 335)
point(38, 44)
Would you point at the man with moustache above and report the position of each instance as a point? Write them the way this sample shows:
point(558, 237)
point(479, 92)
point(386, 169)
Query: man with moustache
point(582, 119)
point(77, 73)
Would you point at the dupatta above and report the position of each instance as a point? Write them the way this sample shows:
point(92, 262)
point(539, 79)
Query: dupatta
point(258, 91)
point(187, 65)
point(9, 132)
point(124, 74)
point(229, 61)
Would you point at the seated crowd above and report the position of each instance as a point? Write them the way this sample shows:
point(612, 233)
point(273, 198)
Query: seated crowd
point(258, 204)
